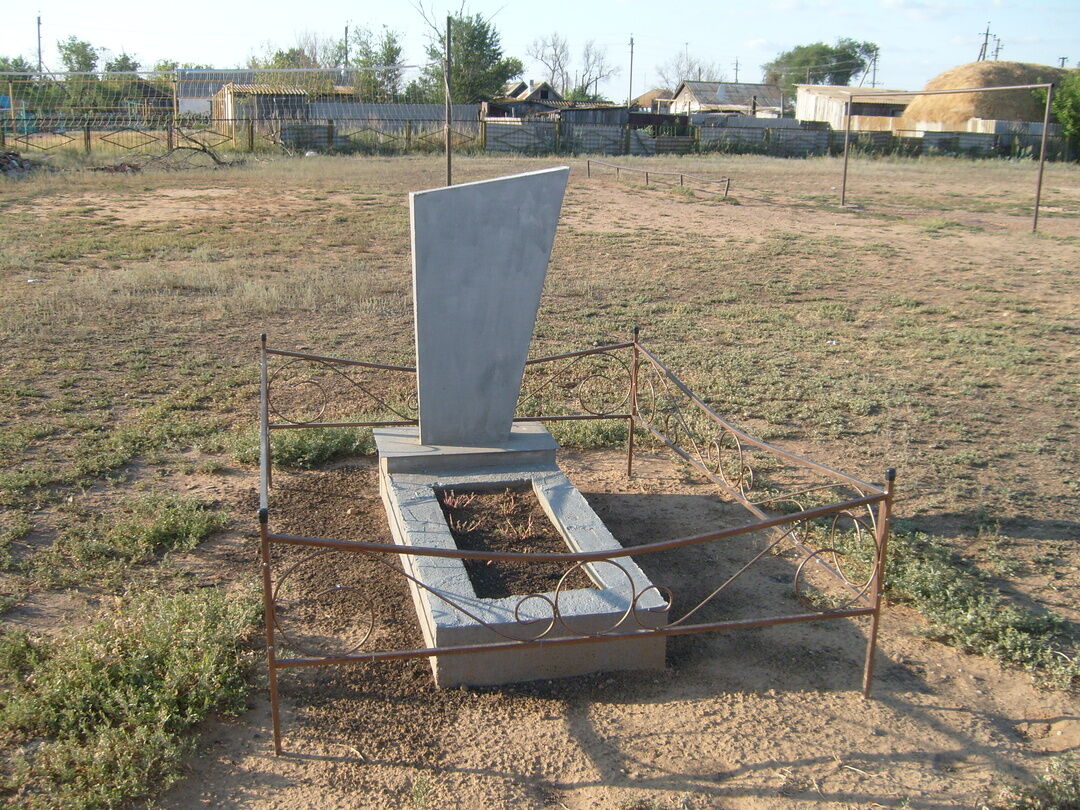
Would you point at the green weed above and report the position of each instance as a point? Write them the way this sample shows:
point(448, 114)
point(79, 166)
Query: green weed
point(965, 611)
point(304, 448)
point(103, 715)
point(107, 545)
point(1057, 789)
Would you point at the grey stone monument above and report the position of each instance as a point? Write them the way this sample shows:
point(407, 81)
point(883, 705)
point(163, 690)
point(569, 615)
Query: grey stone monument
point(480, 255)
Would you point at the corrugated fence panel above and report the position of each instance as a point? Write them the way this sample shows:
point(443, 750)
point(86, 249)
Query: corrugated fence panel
point(597, 139)
point(515, 135)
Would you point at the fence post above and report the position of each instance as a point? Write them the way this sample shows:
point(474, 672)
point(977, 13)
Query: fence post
point(251, 135)
point(408, 135)
point(86, 138)
point(558, 135)
point(633, 407)
point(329, 134)
point(626, 139)
point(483, 134)
point(170, 122)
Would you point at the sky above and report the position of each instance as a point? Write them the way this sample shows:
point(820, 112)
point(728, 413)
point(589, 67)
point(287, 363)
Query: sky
point(918, 38)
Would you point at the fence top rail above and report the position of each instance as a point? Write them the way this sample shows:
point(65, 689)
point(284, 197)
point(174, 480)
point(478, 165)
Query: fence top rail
point(854, 95)
point(657, 171)
point(580, 556)
point(746, 437)
point(338, 360)
point(582, 353)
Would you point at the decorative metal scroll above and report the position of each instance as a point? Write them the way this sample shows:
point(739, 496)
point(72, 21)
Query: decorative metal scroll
point(307, 391)
point(717, 447)
point(596, 384)
point(322, 616)
point(747, 469)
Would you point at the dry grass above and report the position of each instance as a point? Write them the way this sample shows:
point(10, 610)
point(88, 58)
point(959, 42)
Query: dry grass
point(923, 328)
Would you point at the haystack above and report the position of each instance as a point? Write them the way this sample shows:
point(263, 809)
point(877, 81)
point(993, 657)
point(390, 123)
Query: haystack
point(1006, 105)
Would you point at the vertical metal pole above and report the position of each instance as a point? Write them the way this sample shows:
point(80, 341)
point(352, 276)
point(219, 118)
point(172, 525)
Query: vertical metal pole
point(877, 586)
point(1042, 157)
point(633, 408)
point(847, 139)
point(588, 168)
point(266, 465)
point(268, 618)
point(264, 541)
point(446, 82)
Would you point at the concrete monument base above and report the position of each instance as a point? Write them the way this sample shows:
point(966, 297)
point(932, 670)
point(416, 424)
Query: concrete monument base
point(450, 612)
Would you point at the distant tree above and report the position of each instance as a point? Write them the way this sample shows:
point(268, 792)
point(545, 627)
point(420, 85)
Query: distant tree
point(1066, 109)
point(594, 69)
point(383, 79)
point(553, 52)
point(169, 65)
point(479, 69)
point(683, 67)
point(15, 64)
point(819, 63)
point(78, 55)
point(310, 50)
point(124, 63)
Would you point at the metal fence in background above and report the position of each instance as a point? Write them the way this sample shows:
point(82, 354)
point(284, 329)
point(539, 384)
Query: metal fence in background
point(385, 111)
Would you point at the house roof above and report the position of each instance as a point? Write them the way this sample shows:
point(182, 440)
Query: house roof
point(264, 89)
point(733, 94)
point(657, 93)
point(513, 88)
point(521, 91)
point(841, 92)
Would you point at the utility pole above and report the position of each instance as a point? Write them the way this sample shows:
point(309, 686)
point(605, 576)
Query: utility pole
point(986, 42)
point(736, 70)
point(39, 43)
point(630, 91)
point(873, 75)
point(346, 46)
point(1062, 60)
point(997, 46)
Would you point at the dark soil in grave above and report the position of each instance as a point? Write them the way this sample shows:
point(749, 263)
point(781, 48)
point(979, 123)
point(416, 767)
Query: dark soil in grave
point(508, 520)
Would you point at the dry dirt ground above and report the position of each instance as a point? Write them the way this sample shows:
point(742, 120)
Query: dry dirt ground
point(763, 718)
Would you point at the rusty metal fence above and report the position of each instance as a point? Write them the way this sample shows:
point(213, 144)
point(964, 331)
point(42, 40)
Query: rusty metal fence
point(835, 525)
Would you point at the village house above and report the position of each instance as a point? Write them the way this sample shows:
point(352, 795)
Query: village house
point(741, 98)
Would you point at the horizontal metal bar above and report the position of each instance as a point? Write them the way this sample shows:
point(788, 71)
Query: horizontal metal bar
point(740, 624)
point(571, 417)
point(851, 95)
point(295, 425)
point(655, 171)
point(747, 437)
point(582, 353)
point(339, 360)
point(579, 556)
